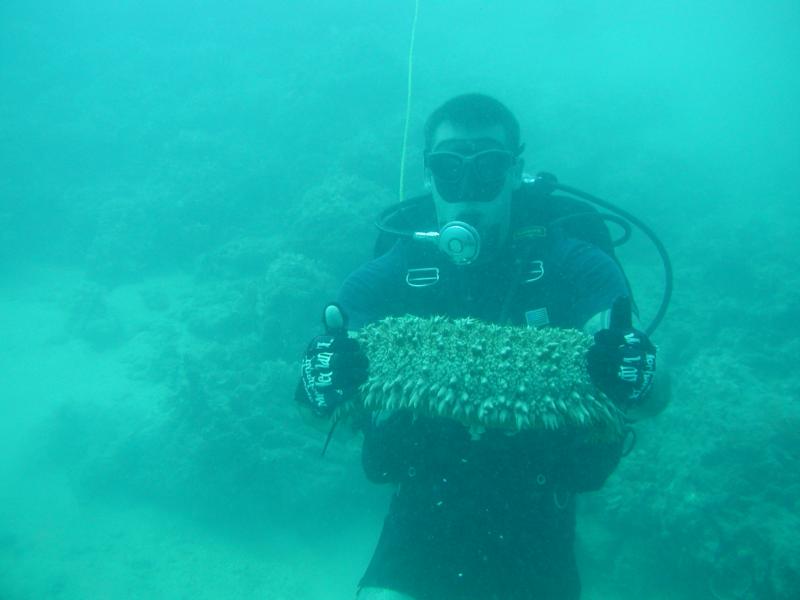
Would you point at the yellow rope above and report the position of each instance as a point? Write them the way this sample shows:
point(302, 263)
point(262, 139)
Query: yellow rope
point(408, 101)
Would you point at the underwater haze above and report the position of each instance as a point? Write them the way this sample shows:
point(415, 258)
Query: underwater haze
point(183, 185)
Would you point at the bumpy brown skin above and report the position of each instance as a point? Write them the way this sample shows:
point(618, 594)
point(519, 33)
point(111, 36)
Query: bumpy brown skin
point(485, 375)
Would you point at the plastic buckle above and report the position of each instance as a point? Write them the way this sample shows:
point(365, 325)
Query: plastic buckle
point(422, 277)
point(535, 271)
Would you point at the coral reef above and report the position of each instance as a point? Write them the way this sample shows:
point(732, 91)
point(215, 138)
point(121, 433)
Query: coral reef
point(483, 374)
point(287, 303)
point(91, 317)
point(239, 257)
point(123, 245)
point(709, 496)
point(342, 207)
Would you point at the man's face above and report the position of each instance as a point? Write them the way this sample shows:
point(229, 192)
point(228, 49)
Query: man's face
point(476, 185)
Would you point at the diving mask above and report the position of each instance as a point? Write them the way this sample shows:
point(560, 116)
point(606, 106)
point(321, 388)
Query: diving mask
point(477, 177)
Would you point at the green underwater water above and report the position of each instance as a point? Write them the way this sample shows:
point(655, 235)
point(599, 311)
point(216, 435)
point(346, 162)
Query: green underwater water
point(183, 184)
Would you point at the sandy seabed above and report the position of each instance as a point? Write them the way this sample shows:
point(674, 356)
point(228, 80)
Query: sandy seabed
point(57, 542)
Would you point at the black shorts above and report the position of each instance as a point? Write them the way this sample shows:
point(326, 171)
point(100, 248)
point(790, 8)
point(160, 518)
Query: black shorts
point(444, 544)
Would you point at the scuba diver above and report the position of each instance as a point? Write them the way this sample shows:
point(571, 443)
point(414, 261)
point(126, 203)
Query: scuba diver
point(490, 516)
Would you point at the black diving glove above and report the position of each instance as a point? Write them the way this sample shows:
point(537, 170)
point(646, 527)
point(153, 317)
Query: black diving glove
point(333, 368)
point(622, 361)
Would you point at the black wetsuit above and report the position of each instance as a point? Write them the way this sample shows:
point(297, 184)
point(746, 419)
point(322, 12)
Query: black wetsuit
point(488, 518)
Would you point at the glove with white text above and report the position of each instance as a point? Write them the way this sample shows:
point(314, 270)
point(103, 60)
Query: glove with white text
point(622, 361)
point(334, 366)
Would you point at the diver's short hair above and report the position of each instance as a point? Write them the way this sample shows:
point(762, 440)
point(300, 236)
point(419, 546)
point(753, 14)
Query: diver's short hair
point(473, 110)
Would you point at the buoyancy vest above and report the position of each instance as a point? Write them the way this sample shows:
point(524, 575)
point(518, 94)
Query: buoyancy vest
point(496, 291)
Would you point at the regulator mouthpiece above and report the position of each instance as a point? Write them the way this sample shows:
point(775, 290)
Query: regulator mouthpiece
point(457, 239)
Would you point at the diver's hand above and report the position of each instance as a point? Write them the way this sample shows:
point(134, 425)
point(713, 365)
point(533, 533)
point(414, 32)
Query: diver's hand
point(622, 361)
point(334, 365)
